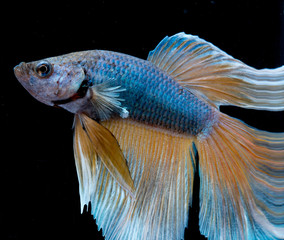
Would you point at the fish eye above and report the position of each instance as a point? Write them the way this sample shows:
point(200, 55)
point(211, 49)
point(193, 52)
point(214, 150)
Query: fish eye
point(43, 69)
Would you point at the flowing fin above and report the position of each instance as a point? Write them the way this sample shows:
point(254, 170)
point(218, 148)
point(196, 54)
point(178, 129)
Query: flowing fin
point(217, 77)
point(91, 141)
point(242, 182)
point(162, 166)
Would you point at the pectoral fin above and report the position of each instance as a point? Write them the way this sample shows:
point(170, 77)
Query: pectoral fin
point(93, 140)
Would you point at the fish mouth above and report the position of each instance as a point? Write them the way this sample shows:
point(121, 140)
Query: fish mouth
point(18, 70)
point(81, 93)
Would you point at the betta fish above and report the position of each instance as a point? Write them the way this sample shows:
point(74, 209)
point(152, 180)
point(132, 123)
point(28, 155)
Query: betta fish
point(140, 125)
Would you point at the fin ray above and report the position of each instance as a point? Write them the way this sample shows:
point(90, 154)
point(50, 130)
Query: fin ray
point(106, 100)
point(86, 162)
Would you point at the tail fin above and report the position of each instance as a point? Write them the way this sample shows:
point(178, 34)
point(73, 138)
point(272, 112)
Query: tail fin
point(217, 77)
point(242, 182)
point(241, 168)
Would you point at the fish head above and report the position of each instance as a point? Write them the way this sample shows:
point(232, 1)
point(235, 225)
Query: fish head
point(52, 79)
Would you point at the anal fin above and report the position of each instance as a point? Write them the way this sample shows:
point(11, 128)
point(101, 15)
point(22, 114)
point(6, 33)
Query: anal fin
point(161, 164)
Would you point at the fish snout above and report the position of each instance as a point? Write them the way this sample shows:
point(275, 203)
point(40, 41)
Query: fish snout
point(19, 70)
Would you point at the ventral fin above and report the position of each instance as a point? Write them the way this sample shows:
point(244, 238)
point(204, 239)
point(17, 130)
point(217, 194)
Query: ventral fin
point(215, 76)
point(94, 140)
point(86, 162)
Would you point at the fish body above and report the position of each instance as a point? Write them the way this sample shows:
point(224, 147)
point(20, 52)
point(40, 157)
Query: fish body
point(139, 124)
point(146, 93)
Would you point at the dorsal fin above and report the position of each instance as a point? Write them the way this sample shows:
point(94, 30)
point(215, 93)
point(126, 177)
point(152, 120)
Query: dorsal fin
point(213, 75)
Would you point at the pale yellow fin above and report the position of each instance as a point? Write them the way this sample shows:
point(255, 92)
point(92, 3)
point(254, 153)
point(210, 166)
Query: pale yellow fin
point(162, 166)
point(215, 76)
point(92, 140)
point(241, 182)
point(86, 161)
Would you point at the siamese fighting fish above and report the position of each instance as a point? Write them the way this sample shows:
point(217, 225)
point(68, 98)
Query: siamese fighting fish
point(140, 126)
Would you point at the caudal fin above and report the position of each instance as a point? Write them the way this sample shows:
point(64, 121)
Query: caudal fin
point(242, 182)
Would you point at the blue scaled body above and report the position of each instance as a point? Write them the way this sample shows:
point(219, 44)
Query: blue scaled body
point(149, 94)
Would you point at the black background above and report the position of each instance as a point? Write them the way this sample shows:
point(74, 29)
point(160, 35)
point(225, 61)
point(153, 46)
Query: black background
point(39, 188)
